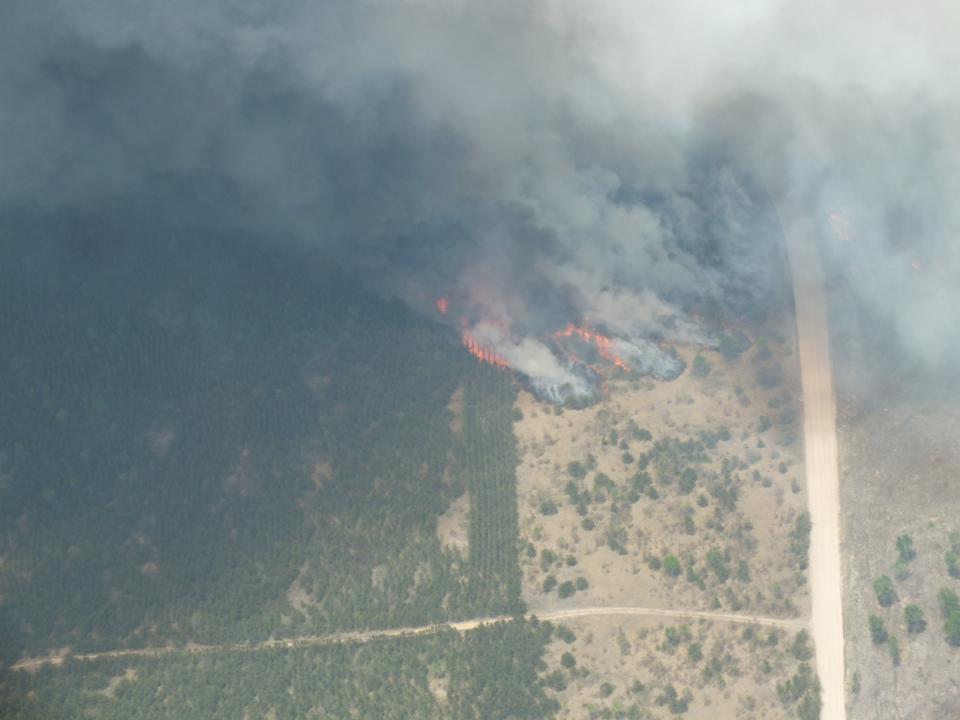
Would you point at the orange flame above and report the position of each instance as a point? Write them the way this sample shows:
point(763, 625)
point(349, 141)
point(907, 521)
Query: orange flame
point(484, 354)
point(442, 305)
point(603, 344)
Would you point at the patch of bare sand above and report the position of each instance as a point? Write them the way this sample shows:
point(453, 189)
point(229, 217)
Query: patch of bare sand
point(769, 482)
point(128, 675)
point(297, 595)
point(453, 526)
point(455, 407)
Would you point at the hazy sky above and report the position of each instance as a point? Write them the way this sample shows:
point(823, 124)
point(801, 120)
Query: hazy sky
point(535, 162)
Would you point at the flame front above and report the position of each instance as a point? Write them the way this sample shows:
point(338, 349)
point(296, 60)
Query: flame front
point(484, 354)
point(604, 345)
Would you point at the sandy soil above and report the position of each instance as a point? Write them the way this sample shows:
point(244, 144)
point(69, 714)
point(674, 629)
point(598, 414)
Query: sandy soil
point(820, 440)
point(453, 526)
point(770, 492)
point(624, 664)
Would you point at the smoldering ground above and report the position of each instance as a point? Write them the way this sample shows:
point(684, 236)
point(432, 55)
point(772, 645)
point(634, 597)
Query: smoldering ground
point(537, 163)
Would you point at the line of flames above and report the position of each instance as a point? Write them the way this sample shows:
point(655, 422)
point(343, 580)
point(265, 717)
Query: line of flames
point(483, 353)
point(603, 344)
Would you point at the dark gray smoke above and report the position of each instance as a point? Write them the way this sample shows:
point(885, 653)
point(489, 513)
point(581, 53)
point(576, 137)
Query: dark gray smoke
point(535, 163)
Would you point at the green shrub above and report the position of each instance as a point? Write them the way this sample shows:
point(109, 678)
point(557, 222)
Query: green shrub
point(916, 622)
point(905, 548)
point(701, 368)
point(950, 608)
point(883, 587)
point(893, 646)
point(671, 566)
point(952, 559)
point(800, 648)
point(878, 631)
point(769, 376)
point(733, 345)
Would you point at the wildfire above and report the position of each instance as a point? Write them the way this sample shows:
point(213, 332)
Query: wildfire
point(604, 345)
point(842, 227)
point(484, 354)
point(442, 305)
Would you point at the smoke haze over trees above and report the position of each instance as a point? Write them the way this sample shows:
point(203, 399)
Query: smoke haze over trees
point(537, 163)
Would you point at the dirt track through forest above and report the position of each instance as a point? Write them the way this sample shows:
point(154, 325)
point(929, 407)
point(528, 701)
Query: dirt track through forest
point(820, 448)
point(370, 635)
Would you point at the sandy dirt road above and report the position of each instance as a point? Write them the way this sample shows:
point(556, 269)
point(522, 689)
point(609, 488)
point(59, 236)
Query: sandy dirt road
point(359, 637)
point(820, 448)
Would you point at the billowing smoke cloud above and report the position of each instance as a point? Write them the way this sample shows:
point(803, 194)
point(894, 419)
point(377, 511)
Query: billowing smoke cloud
point(533, 163)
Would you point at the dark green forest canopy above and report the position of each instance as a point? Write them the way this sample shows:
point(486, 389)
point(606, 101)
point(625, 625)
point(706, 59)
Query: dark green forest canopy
point(489, 673)
point(189, 428)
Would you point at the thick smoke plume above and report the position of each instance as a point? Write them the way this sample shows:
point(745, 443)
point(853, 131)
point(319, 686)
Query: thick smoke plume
point(533, 164)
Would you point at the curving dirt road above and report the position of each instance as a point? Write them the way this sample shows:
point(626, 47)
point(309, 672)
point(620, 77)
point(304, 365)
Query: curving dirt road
point(358, 637)
point(820, 448)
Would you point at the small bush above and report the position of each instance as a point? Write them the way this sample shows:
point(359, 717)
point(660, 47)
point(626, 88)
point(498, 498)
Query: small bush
point(769, 376)
point(555, 681)
point(671, 566)
point(701, 368)
point(883, 587)
point(734, 345)
point(893, 646)
point(952, 559)
point(916, 622)
point(878, 631)
point(800, 649)
point(905, 548)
